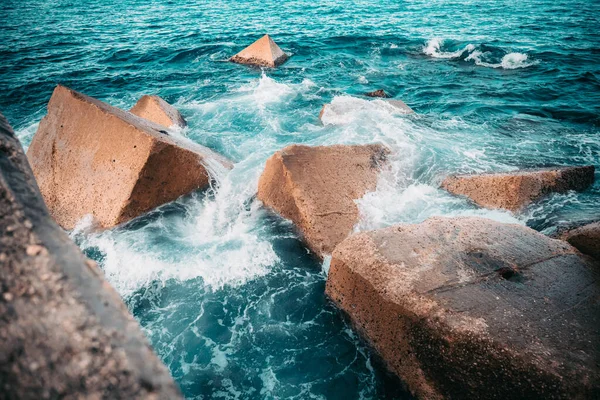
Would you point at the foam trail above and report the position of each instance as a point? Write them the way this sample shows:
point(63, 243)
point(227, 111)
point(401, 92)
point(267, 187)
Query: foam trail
point(509, 61)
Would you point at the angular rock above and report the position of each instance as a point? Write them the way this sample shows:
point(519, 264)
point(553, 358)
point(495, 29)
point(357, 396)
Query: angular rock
point(64, 332)
point(399, 104)
point(315, 187)
point(155, 109)
point(515, 190)
point(378, 93)
point(469, 308)
point(92, 158)
point(585, 238)
point(263, 53)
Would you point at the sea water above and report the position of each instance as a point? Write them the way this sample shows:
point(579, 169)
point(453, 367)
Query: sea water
point(228, 295)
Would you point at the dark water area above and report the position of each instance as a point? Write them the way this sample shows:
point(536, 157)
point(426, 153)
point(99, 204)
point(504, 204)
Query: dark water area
point(226, 292)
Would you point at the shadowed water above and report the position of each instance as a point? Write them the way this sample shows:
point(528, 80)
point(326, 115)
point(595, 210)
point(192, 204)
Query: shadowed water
point(229, 297)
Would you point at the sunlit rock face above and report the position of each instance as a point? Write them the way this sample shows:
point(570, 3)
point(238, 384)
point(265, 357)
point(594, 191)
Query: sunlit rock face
point(155, 109)
point(473, 308)
point(91, 158)
point(316, 188)
point(515, 190)
point(263, 53)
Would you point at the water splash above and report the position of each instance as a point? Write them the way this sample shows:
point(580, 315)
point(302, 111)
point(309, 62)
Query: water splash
point(509, 61)
point(433, 48)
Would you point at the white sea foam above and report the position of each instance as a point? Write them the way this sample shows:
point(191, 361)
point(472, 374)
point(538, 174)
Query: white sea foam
point(269, 380)
point(509, 61)
point(221, 237)
point(433, 49)
point(132, 260)
point(218, 240)
point(266, 90)
point(402, 195)
point(516, 60)
point(344, 110)
point(434, 46)
point(25, 135)
point(392, 203)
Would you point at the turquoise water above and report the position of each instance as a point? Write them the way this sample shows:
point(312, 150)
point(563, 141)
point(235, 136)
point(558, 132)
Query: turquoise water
point(229, 297)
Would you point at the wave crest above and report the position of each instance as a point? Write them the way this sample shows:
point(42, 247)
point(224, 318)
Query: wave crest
point(435, 48)
point(509, 61)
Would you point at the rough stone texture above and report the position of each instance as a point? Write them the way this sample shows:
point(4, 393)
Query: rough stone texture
point(399, 104)
point(155, 109)
point(315, 187)
point(378, 93)
point(64, 332)
point(515, 190)
point(469, 308)
point(585, 238)
point(91, 158)
point(263, 53)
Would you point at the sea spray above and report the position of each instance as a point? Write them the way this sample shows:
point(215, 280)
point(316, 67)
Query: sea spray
point(470, 52)
point(433, 48)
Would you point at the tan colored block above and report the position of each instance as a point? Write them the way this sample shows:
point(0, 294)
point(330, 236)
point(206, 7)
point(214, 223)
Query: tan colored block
point(91, 158)
point(515, 190)
point(315, 187)
point(264, 53)
point(470, 308)
point(155, 109)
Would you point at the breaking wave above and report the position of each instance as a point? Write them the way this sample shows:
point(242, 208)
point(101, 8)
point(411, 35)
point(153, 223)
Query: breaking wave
point(509, 61)
point(433, 48)
point(479, 55)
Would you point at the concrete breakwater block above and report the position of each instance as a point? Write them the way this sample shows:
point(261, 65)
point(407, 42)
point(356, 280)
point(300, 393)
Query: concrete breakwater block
point(155, 109)
point(315, 187)
point(64, 332)
point(91, 158)
point(467, 308)
point(399, 105)
point(515, 190)
point(262, 53)
point(585, 238)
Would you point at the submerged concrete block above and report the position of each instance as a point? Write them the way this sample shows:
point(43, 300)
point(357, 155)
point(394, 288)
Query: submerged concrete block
point(398, 104)
point(378, 93)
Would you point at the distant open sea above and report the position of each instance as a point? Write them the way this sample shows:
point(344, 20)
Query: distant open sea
point(231, 300)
